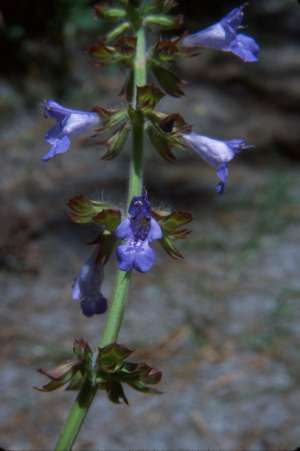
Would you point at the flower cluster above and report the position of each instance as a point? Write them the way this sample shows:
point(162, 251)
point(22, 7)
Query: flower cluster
point(142, 226)
point(128, 238)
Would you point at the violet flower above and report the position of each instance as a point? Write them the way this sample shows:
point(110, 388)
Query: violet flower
point(224, 36)
point(217, 153)
point(139, 230)
point(69, 122)
point(87, 287)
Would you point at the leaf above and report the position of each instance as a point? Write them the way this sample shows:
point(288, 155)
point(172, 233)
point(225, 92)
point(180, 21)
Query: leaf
point(151, 376)
point(110, 14)
point(110, 117)
point(55, 384)
point(141, 387)
point(167, 79)
point(110, 218)
point(167, 50)
point(171, 224)
point(122, 52)
point(160, 143)
point(169, 247)
point(76, 382)
point(176, 219)
point(132, 372)
point(106, 54)
point(112, 357)
point(106, 242)
point(86, 211)
point(164, 21)
point(175, 124)
point(60, 371)
point(148, 97)
point(126, 46)
point(115, 392)
point(129, 369)
point(81, 349)
point(127, 88)
point(117, 32)
point(116, 143)
point(82, 209)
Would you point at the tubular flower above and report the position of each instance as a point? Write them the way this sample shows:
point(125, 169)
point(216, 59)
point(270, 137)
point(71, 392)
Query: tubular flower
point(224, 36)
point(217, 153)
point(87, 287)
point(138, 231)
point(69, 122)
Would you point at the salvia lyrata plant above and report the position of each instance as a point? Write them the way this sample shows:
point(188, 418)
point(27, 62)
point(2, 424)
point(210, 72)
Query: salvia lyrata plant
point(130, 238)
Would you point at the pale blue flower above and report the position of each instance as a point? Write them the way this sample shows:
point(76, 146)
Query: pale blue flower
point(138, 231)
point(224, 36)
point(69, 122)
point(217, 153)
point(87, 287)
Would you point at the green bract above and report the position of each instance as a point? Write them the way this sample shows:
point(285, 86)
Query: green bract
point(106, 368)
point(86, 211)
point(172, 224)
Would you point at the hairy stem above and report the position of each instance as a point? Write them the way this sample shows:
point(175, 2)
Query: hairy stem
point(87, 393)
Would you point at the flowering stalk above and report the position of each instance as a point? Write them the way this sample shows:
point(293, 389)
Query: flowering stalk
point(87, 393)
point(107, 368)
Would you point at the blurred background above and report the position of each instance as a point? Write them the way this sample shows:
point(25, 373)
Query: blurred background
point(224, 324)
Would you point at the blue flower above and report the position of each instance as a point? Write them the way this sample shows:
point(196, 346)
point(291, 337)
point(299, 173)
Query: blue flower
point(138, 231)
point(69, 122)
point(87, 287)
point(224, 36)
point(217, 153)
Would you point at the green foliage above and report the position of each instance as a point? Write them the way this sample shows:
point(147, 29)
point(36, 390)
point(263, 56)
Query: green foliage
point(164, 21)
point(160, 142)
point(148, 97)
point(172, 225)
point(122, 51)
point(107, 369)
point(110, 14)
point(165, 133)
point(116, 143)
point(169, 82)
point(83, 210)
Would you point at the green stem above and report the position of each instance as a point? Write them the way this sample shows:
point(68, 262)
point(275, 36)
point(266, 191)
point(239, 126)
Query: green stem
point(87, 393)
point(115, 314)
point(140, 79)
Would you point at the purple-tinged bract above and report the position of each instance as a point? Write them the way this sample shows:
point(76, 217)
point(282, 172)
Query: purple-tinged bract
point(87, 287)
point(69, 122)
point(138, 231)
point(224, 36)
point(217, 153)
